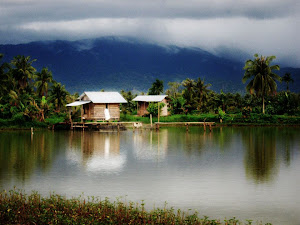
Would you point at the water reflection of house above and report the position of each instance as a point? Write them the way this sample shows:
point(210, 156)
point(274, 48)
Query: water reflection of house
point(100, 152)
point(151, 145)
point(143, 102)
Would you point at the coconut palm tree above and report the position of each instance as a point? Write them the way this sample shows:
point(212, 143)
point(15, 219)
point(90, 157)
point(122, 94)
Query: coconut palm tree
point(263, 79)
point(189, 93)
point(43, 79)
point(287, 78)
point(157, 88)
point(201, 92)
point(58, 95)
point(23, 71)
point(4, 77)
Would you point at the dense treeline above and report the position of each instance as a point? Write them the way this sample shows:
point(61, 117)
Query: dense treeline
point(28, 95)
point(195, 97)
point(31, 96)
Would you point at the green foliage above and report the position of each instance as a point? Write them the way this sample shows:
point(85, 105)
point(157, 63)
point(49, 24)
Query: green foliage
point(130, 106)
point(221, 113)
point(19, 208)
point(153, 108)
point(157, 88)
point(55, 119)
point(263, 81)
point(23, 93)
point(58, 96)
point(287, 78)
point(29, 97)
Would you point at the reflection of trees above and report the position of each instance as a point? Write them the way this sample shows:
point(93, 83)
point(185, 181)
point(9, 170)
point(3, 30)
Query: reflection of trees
point(22, 152)
point(222, 136)
point(288, 138)
point(150, 145)
point(260, 157)
point(196, 140)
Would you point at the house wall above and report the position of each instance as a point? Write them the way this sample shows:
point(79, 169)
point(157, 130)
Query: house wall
point(142, 108)
point(95, 111)
point(164, 110)
point(114, 110)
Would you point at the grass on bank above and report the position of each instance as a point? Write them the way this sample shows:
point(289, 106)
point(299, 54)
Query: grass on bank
point(19, 208)
point(19, 121)
point(228, 119)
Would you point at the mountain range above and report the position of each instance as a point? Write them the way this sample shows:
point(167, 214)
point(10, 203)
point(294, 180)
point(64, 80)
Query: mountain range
point(114, 63)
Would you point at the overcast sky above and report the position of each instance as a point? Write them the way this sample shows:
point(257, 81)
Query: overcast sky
point(267, 27)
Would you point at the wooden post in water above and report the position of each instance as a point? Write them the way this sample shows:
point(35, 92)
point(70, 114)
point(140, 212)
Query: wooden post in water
point(151, 120)
point(210, 127)
point(70, 115)
point(81, 113)
point(204, 126)
point(187, 126)
point(158, 112)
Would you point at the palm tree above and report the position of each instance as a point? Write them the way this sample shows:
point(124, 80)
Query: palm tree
point(4, 77)
point(287, 78)
point(43, 79)
point(174, 89)
point(157, 88)
point(23, 71)
point(263, 80)
point(58, 95)
point(189, 93)
point(201, 92)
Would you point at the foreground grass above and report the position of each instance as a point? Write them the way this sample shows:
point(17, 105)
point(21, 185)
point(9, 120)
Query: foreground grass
point(19, 208)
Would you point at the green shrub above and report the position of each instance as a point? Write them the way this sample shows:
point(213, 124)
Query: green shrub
point(18, 119)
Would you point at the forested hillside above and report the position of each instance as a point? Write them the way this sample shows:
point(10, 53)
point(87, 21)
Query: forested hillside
point(123, 63)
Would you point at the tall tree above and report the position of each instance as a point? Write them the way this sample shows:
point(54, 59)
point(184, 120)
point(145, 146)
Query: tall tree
point(263, 79)
point(43, 79)
point(58, 95)
point(201, 92)
point(23, 71)
point(4, 77)
point(287, 78)
point(157, 87)
point(189, 94)
point(174, 89)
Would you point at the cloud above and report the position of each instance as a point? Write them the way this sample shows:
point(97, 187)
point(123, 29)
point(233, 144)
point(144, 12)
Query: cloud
point(263, 26)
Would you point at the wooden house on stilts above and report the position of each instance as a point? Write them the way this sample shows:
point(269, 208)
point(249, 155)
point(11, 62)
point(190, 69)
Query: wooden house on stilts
point(144, 100)
point(99, 106)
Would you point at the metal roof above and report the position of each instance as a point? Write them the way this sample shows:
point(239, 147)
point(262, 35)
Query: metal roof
point(76, 103)
point(103, 97)
point(149, 98)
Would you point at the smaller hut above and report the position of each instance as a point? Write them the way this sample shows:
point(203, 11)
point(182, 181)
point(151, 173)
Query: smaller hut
point(144, 100)
point(99, 105)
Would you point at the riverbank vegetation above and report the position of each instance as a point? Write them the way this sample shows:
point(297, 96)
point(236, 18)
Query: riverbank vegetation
point(29, 97)
point(18, 208)
point(32, 98)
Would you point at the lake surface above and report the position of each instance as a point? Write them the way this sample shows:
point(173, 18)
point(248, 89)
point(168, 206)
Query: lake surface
point(246, 172)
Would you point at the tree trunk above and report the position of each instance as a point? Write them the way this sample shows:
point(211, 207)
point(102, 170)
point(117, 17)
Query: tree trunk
point(263, 101)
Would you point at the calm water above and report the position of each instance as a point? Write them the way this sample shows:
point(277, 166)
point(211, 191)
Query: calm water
point(250, 173)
